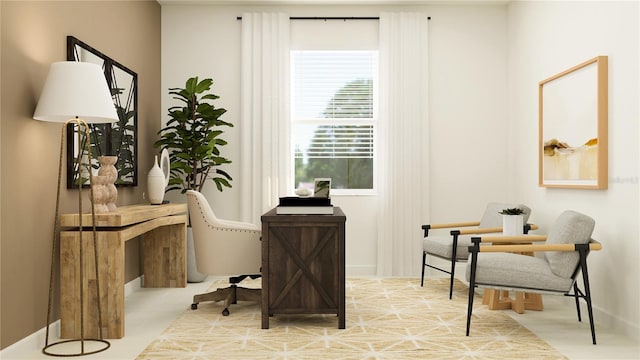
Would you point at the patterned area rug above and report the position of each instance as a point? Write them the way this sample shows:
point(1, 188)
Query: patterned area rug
point(386, 318)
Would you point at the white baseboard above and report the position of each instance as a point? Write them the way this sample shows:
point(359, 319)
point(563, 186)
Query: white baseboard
point(133, 285)
point(361, 270)
point(36, 340)
point(616, 324)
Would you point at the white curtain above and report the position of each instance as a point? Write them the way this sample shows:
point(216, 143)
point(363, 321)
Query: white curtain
point(264, 125)
point(403, 143)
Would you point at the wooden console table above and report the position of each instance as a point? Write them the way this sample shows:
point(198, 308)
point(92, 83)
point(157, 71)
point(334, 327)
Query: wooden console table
point(164, 233)
point(303, 265)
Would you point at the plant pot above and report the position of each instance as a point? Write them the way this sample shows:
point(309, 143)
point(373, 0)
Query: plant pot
point(193, 276)
point(512, 224)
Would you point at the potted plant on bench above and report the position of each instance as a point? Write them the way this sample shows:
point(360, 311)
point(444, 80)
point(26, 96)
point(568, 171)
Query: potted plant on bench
point(512, 221)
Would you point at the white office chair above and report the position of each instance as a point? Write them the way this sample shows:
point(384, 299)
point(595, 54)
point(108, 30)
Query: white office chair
point(224, 248)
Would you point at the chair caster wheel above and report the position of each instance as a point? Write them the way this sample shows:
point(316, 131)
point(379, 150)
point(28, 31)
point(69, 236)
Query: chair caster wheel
point(194, 306)
point(225, 312)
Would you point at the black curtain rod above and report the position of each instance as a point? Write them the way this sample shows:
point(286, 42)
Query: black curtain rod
point(332, 18)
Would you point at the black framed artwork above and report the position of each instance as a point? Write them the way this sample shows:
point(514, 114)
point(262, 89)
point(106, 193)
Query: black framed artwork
point(116, 139)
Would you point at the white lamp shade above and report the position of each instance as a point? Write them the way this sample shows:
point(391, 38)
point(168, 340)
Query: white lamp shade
point(76, 89)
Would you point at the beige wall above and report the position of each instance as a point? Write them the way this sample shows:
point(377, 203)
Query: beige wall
point(33, 36)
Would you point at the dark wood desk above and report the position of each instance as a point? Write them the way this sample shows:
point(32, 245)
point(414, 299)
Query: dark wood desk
point(303, 266)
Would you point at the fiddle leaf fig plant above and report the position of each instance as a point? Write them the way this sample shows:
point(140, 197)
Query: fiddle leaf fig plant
point(192, 138)
point(511, 211)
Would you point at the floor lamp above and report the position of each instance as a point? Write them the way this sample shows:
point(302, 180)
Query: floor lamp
point(76, 93)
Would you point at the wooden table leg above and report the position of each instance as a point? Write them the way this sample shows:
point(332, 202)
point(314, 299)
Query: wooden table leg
point(111, 273)
point(518, 304)
point(533, 302)
point(165, 250)
point(500, 300)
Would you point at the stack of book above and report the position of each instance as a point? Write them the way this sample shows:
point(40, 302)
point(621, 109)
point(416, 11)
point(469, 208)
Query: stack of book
point(292, 205)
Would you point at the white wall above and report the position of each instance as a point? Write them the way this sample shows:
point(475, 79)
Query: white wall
point(468, 82)
point(546, 38)
point(485, 64)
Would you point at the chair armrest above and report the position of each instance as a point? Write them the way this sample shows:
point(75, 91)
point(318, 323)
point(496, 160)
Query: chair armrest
point(490, 230)
point(454, 225)
point(478, 231)
point(512, 239)
point(592, 245)
point(427, 227)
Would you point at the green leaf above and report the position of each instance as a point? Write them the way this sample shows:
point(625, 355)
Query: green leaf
point(204, 85)
point(190, 87)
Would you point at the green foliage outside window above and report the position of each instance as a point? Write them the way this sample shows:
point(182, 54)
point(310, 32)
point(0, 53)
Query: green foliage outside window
point(342, 152)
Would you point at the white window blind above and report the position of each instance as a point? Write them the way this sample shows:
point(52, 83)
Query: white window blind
point(333, 115)
point(339, 141)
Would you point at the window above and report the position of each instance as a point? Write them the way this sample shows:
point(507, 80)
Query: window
point(333, 117)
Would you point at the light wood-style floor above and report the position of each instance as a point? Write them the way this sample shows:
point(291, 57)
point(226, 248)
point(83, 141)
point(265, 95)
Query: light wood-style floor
point(150, 311)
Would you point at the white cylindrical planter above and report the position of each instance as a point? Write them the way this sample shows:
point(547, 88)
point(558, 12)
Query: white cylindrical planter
point(193, 276)
point(512, 224)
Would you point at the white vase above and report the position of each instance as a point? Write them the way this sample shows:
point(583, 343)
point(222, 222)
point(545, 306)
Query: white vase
point(156, 183)
point(512, 224)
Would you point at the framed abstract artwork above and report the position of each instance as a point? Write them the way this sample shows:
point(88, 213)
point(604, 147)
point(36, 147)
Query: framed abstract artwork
point(118, 139)
point(573, 117)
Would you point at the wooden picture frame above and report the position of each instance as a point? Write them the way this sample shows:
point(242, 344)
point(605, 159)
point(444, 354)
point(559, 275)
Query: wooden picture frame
point(573, 118)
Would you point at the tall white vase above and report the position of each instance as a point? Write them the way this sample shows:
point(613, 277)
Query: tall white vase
point(156, 183)
point(158, 178)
